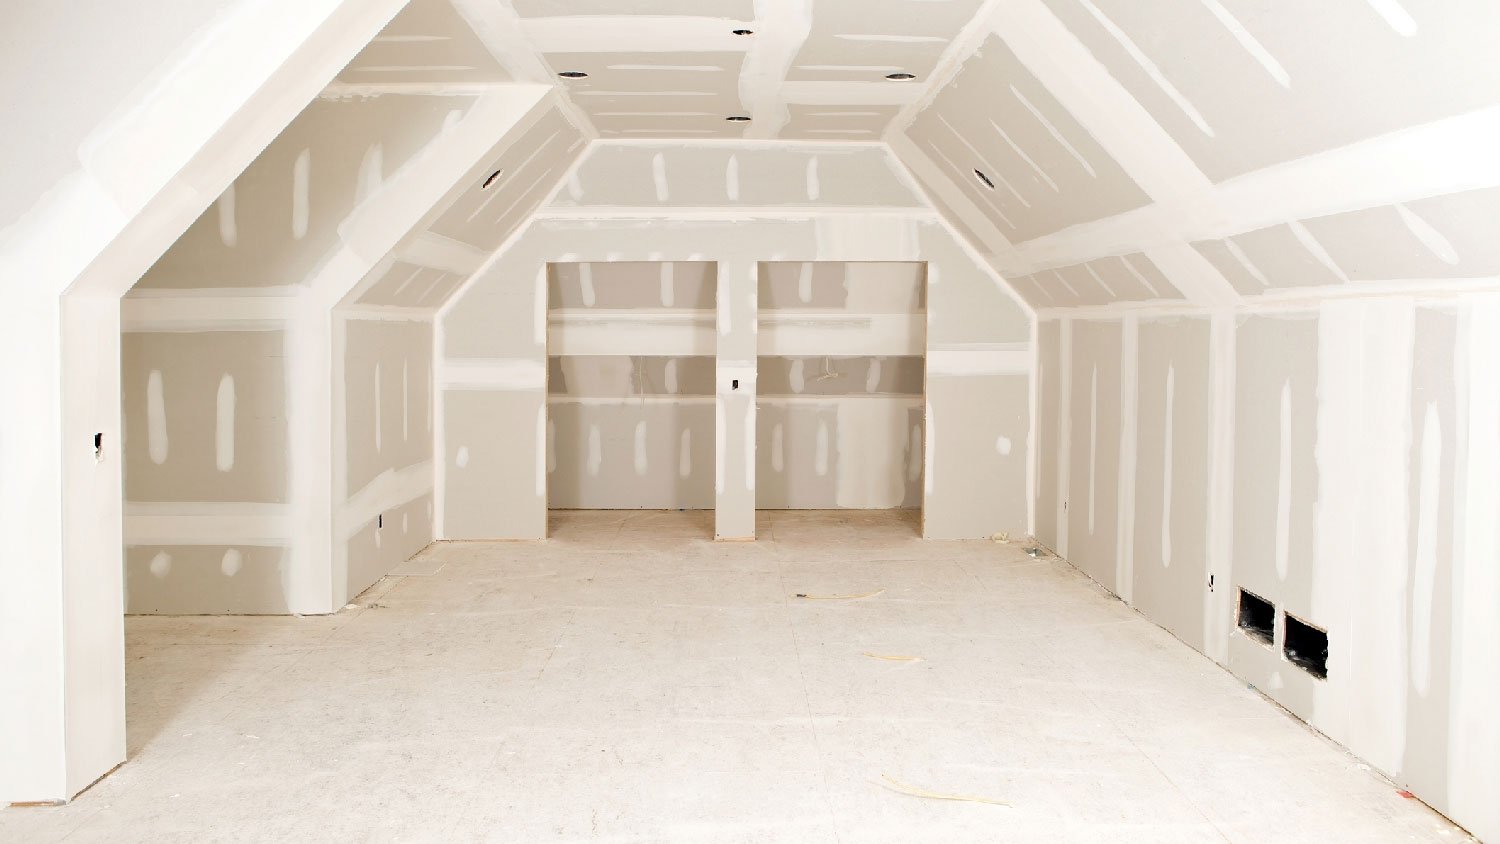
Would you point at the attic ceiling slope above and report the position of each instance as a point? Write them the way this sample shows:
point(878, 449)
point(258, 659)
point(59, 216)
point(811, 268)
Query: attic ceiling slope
point(1100, 152)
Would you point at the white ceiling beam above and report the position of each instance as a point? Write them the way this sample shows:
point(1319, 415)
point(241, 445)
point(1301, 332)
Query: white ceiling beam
point(638, 34)
point(781, 27)
point(500, 28)
point(849, 93)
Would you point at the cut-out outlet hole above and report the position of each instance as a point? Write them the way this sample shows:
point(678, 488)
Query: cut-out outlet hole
point(744, 32)
point(737, 118)
point(573, 74)
point(979, 174)
point(99, 447)
point(1257, 617)
point(1306, 646)
point(491, 180)
point(379, 521)
point(900, 77)
point(734, 384)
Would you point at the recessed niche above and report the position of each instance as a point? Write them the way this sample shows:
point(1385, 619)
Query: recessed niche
point(1306, 647)
point(1257, 617)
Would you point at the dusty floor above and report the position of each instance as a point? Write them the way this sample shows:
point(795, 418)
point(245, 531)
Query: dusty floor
point(630, 680)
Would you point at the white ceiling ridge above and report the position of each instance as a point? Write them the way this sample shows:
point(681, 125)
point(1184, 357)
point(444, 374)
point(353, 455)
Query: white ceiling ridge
point(639, 34)
point(1446, 156)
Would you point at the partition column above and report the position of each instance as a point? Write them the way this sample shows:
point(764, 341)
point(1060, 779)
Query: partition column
point(734, 404)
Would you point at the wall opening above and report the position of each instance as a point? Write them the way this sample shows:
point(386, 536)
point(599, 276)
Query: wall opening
point(1256, 617)
point(1305, 646)
point(841, 381)
point(630, 387)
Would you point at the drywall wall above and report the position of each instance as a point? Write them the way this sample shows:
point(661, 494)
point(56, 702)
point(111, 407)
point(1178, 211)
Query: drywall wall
point(737, 205)
point(1357, 495)
point(144, 165)
point(1256, 241)
point(332, 247)
point(386, 507)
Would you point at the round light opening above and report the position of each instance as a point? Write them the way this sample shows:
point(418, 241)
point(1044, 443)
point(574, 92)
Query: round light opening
point(737, 118)
point(900, 77)
point(983, 178)
point(491, 180)
point(573, 74)
point(744, 32)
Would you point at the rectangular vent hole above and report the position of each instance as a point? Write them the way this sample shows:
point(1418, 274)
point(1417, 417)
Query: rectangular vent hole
point(1257, 617)
point(1306, 646)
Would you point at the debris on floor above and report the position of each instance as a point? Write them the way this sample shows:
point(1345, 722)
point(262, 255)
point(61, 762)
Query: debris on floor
point(903, 788)
point(860, 597)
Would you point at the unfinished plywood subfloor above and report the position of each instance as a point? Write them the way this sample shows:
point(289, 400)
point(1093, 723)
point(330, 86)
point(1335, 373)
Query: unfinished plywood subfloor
point(630, 680)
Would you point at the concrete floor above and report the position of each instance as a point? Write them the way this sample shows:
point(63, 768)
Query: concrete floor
point(630, 680)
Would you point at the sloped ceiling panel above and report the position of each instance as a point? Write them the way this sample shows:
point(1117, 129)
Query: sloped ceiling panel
point(1016, 153)
point(1243, 84)
point(427, 42)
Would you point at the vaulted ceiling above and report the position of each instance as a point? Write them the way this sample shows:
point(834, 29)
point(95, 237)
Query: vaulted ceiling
point(1095, 152)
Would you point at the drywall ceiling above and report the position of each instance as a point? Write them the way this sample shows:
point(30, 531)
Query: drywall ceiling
point(1095, 152)
point(799, 69)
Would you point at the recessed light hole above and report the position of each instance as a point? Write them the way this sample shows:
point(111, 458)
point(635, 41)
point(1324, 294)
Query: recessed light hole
point(900, 77)
point(979, 174)
point(491, 180)
point(573, 74)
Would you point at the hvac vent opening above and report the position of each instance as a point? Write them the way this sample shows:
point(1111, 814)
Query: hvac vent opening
point(1257, 617)
point(1306, 647)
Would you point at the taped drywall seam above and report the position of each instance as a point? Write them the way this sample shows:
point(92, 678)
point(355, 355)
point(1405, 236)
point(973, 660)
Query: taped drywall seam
point(1064, 431)
point(781, 26)
point(1034, 419)
point(1473, 768)
point(309, 377)
point(1219, 596)
point(1125, 482)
